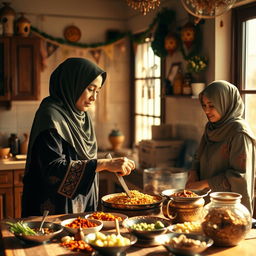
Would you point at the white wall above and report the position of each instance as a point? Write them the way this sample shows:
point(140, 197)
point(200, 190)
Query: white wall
point(94, 18)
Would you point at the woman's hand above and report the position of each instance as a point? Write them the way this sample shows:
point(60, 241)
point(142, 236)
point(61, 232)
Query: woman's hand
point(198, 185)
point(122, 165)
point(192, 177)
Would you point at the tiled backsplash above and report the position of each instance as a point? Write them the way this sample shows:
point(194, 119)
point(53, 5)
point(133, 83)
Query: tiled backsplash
point(17, 120)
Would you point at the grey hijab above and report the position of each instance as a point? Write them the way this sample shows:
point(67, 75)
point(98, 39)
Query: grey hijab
point(58, 111)
point(228, 102)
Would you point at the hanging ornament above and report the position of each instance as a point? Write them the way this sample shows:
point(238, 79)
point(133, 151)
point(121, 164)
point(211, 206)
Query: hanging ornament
point(171, 43)
point(188, 34)
point(23, 26)
point(207, 9)
point(7, 16)
point(144, 6)
point(96, 54)
point(72, 33)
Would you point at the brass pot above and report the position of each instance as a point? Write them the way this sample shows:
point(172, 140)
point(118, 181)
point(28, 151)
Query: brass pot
point(181, 211)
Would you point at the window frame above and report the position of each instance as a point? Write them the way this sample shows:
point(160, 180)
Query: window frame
point(133, 93)
point(239, 15)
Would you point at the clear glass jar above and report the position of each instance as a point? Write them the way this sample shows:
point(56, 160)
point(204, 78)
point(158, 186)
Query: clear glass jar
point(226, 220)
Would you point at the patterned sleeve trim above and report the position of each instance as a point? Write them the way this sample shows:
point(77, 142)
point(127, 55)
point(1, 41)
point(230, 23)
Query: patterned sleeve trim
point(72, 178)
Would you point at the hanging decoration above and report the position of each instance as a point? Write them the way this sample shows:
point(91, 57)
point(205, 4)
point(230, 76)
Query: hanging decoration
point(72, 33)
point(190, 49)
point(144, 6)
point(23, 26)
point(164, 20)
point(171, 43)
point(96, 55)
point(207, 9)
point(188, 34)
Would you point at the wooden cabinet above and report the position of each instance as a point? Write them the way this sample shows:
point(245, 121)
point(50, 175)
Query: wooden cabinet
point(20, 68)
point(11, 188)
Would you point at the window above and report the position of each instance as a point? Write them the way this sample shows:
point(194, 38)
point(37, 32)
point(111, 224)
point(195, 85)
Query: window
point(147, 105)
point(244, 63)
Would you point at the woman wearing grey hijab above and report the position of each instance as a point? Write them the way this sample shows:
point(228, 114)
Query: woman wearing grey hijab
point(225, 159)
point(62, 167)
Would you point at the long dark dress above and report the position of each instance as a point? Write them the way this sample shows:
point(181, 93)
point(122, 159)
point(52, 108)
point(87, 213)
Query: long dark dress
point(61, 183)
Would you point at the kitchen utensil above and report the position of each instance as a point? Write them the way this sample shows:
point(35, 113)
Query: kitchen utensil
point(121, 179)
point(45, 214)
point(117, 228)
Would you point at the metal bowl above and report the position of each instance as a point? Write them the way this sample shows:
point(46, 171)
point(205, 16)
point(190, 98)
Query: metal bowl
point(104, 201)
point(110, 250)
point(168, 193)
point(40, 238)
point(108, 224)
point(85, 230)
point(146, 234)
point(165, 240)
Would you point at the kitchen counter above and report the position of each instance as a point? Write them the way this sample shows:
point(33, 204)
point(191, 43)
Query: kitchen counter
point(12, 246)
point(12, 164)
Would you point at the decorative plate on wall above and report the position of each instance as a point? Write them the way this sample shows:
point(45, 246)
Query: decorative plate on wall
point(72, 33)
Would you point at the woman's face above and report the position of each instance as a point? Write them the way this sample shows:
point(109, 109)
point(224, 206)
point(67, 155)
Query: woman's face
point(89, 95)
point(210, 111)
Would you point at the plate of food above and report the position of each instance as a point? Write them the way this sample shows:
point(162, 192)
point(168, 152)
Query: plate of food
point(107, 218)
point(138, 201)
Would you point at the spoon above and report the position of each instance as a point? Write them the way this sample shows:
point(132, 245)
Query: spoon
point(41, 231)
point(117, 228)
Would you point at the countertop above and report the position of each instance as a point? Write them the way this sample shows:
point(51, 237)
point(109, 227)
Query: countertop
point(12, 246)
point(12, 164)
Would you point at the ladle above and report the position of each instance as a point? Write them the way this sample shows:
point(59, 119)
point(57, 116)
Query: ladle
point(41, 230)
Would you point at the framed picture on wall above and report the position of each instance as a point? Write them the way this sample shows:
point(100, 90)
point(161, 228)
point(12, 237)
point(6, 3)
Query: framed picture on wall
point(173, 71)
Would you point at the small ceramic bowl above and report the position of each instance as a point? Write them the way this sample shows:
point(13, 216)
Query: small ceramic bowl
point(55, 228)
point(184, 249)
point(88, 230)
point(110, 250)
point(146, 234)
point(109, 224)
point(4, 153)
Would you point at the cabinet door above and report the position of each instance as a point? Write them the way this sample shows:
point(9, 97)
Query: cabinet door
point(17, 201)
point(4, 69)
point(25, 67)
point(6, 203)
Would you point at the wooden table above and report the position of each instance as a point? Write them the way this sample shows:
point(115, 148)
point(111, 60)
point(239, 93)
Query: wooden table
point(12, 246)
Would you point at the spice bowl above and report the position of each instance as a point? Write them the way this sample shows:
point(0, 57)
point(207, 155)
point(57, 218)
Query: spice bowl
point(88, 226)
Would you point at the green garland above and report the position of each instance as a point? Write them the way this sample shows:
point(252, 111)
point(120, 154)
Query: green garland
point(82, 45)
point(162, 22)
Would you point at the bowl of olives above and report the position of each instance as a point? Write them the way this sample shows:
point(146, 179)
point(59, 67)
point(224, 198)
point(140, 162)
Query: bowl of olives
point(146, 227)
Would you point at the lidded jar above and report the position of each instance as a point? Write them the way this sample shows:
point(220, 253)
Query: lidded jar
point(226, 220)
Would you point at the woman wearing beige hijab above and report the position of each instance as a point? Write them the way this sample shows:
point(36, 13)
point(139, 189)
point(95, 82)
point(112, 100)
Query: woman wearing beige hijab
point(225, 159)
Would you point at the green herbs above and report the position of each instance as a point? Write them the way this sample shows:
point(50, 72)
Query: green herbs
point(21, 228)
